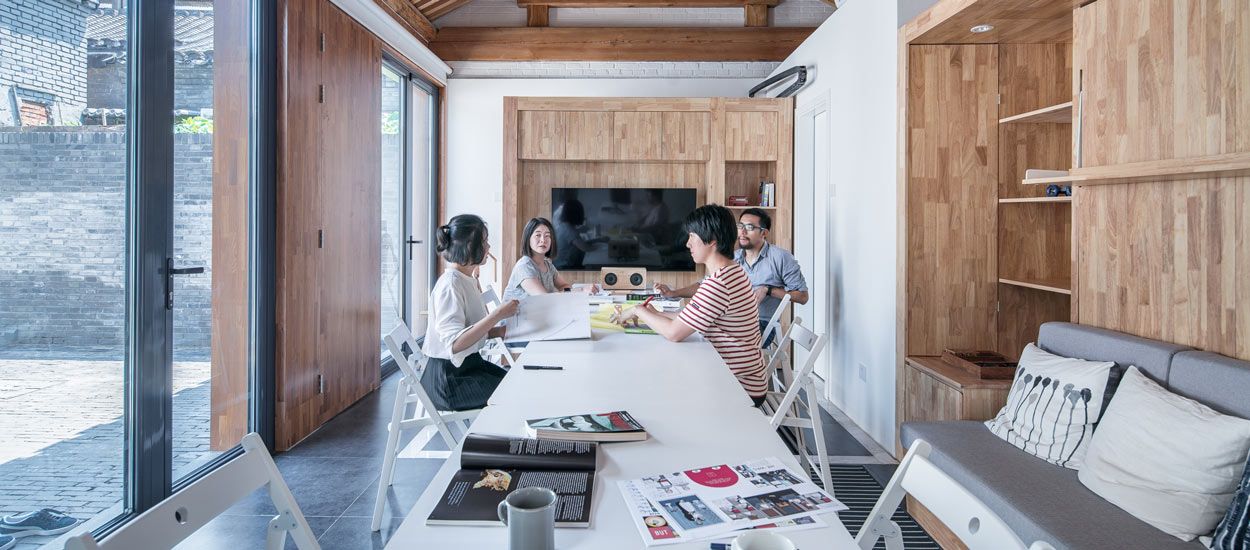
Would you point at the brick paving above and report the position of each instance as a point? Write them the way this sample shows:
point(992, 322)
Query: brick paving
point(61, 421)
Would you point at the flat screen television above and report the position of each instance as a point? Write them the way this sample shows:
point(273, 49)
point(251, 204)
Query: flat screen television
point(635, 227)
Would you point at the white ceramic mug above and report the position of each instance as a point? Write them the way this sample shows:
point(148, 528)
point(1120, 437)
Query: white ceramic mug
point(530, 515)
point(761, 540)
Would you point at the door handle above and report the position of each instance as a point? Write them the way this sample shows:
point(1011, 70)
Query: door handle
point(411, 241)
point(170, 271)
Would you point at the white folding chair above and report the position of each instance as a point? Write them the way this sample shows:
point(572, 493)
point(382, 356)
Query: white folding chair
point(410, 391)
point(495, 350)
point(976, 525)
point(788, 410)
point(780, 370)
point(185, 512)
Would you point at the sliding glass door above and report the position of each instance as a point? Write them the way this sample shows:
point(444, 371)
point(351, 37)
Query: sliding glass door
point(127, 293)
point(409, 187)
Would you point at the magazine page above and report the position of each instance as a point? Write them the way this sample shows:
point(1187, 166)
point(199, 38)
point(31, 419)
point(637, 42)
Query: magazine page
point(497, 451)
point(473, 495)
point(704, 502)
point(612, 422)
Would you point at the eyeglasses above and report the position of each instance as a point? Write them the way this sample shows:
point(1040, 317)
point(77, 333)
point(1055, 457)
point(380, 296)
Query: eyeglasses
point(749, 227)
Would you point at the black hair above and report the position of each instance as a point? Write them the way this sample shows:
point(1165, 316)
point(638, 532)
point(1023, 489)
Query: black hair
point(573, 212)
point(766, 221)
point(463, 240)
point(533, 226)
point(713, 222)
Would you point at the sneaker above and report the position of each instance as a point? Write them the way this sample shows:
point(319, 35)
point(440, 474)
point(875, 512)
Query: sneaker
point(7, 542)
point(45, 522)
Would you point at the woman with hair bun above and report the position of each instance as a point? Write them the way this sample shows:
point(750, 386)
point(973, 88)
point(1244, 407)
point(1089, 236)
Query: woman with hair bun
point(457, 377)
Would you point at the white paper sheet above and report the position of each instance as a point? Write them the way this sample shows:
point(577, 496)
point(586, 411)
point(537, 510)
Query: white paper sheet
point(561, 316)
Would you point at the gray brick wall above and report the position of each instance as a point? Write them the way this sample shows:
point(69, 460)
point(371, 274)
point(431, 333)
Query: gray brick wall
point(43, 50)
point(62, 238)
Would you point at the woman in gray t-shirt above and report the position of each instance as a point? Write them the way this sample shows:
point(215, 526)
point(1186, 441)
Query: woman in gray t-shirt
point(534, 273)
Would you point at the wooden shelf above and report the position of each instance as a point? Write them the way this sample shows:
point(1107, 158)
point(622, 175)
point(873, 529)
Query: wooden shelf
point(746, 207)
point(1214, 166)
point(1060, 200)
point(1060, 114)
point(1059, 287)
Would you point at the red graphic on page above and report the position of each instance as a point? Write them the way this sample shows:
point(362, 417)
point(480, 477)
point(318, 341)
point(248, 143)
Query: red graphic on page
point(716, 476)
point(660, 533)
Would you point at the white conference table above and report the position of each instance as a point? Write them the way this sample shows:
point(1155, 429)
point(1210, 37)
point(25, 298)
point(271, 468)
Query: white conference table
point(685, 433)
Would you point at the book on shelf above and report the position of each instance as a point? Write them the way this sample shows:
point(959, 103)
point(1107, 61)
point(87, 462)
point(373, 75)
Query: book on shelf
point(601, 427)
point(493, 466)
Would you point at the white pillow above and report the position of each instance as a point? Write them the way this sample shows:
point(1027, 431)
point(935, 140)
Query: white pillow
point(1171, 462)
point(1053, 406)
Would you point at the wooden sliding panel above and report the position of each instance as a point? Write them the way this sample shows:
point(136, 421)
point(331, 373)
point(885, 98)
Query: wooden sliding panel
point(951, 264)
point(751, 135)
point(1163, 79)
point(351, 210)
point(296, 336)
point(637, 135)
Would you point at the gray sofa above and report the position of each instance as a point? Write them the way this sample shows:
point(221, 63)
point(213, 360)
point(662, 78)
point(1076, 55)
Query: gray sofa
point(1041, 501)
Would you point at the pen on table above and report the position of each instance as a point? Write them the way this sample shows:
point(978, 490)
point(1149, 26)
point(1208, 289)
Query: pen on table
point(542, 367)
point(721, 545)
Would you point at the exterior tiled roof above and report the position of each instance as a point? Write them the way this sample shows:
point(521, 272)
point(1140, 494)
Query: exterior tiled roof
point(193, 30)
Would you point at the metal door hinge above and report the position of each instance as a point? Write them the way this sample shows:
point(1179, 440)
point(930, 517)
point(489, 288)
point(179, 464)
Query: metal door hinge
point(321, 93)
point(321, 42)
point(998, 307)
point(321, 384)
point(321, 238)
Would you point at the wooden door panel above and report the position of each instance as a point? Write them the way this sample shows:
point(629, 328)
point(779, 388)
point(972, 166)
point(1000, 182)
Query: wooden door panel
point(636, 135)
point(589, 134)
point(751, 135)
point(541, 135)
point(685, 136)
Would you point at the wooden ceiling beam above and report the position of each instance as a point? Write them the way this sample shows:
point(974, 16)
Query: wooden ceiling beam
point(410, 17)
point(646, 3)
point(755, 15)
point(443, 8)
point(617, 44)
point(537, 16)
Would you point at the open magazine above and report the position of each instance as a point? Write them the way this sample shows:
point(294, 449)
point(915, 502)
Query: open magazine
point(704, 503)
point(494, 466)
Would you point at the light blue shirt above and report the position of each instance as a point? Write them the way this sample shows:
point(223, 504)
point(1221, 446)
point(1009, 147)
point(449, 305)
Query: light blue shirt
point(775, 267)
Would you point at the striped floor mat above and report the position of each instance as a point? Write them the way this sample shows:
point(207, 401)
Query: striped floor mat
point(856, 488)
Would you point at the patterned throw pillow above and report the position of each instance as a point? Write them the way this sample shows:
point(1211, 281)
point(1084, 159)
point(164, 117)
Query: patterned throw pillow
point(1053, 406)
point(1233, 532)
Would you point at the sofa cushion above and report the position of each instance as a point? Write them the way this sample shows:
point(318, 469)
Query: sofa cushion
point(1040, 501)
point(1216, 381)
point(1152, 357)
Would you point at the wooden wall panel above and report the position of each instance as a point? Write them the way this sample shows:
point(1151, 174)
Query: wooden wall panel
point(751, 135)
point(351, 212)
point(1032, 76)
point(1163, 79)
point(1168, 261)
point(229, 384)
point(538, 178)
point(588, 135)
point(1024, 146)
point(541, 135)
point(685, 135)
point(951, 264)
point(1022, 311)
point(637, 135)
point(297, 344)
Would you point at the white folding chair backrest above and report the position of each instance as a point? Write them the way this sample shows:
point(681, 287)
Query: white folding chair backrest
point(814, 344)
point(774, 323)
point(490, 297)
point(411, 364)
point(185, 512)
point(976, 525)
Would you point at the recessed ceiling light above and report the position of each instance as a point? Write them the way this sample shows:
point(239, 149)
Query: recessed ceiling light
point(982, 28)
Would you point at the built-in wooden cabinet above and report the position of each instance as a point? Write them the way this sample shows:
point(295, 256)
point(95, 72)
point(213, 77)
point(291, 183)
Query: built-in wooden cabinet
point(937, 392)
point(328, 198)
point(719, 146)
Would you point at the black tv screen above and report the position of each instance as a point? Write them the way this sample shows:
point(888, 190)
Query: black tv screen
point(598, 228)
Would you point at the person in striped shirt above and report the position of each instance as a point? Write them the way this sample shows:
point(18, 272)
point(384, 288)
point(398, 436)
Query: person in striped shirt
point(723, 308)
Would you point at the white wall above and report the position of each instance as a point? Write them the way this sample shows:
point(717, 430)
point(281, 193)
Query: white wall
point(475, 130)
point(852, 60)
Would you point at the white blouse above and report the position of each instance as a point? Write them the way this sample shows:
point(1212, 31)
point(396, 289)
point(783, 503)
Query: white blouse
point(455, 305)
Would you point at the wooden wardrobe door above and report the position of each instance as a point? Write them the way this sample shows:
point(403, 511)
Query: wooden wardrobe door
point(298, 302)
point(351, 188)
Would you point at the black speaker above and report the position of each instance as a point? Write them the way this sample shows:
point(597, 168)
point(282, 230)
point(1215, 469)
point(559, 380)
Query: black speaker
point(624, 278)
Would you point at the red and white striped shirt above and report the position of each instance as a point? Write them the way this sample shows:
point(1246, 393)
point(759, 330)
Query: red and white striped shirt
point(723, 309)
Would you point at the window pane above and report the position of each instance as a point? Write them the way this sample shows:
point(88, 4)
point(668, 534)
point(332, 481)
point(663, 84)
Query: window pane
point(210, 411)
point(62, 257)
point(423, 140)
point(393, 245)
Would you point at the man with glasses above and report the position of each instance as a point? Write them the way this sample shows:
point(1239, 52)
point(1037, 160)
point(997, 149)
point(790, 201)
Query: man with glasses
point(773, 271)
